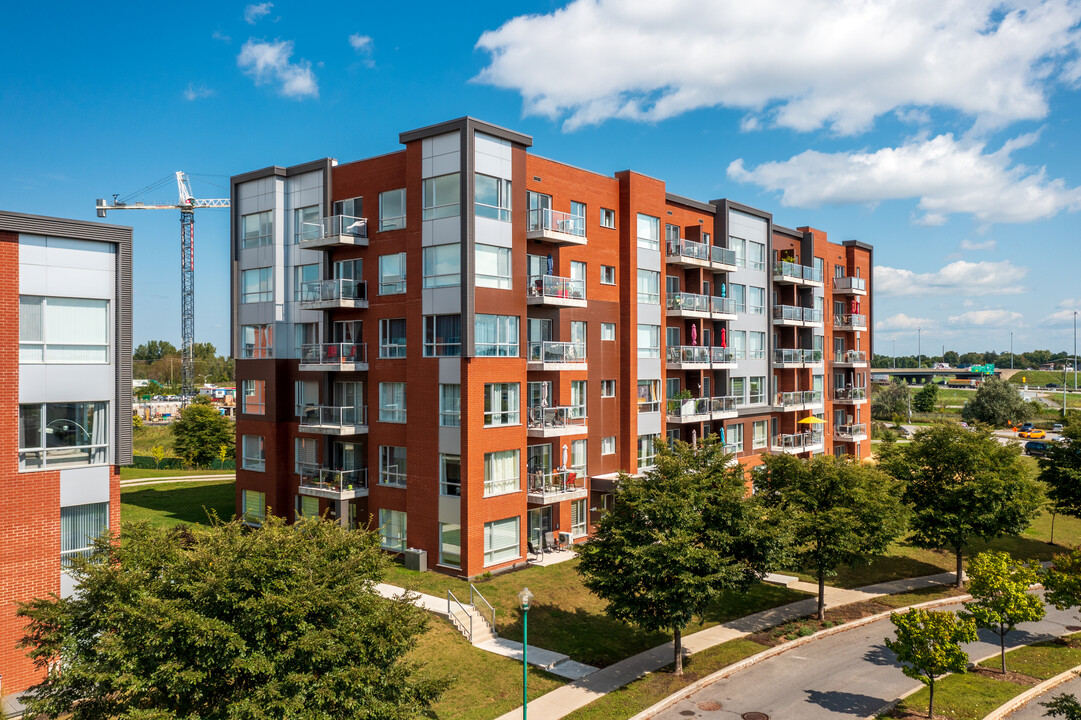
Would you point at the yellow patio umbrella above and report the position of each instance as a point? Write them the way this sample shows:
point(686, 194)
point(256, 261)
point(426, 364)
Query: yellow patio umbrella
point(812, 420)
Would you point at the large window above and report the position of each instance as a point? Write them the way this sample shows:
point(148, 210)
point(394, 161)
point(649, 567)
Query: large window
point(648, 400)
point(392, 466)
point(253, 504)
point(450, 405)
point(608, 445)
point(492, 197)
point(450, 475)
point(63, 330)
point(392, 274)
point(501, 470)
point(392, 529)
point(608, 218)
point(646, 450)
point(303, 274)
point(353, 207)
point(756, 345)
point(58, 435)
point(578, 399)
point(450, 545)
point(756, 256)
point(757, 387)
point(257, 285)
point(578, 518)
point(649, 232)
point(501, 543)
point(305, 454)
point(392, 402)
point(739, 247)
point(253, 453)
point(306, 392)
point(441, 196)
point(442, 335)
point(256, 229)
point(443, 265)
point(257, 341)
point(501, 404)
point(734, 437)
point(761, 432)
point(80, 526)
point(649, 286)
point(496, 335)
point(756, 300)
point(493, 266)
point(306, 224)
point(608, 275)
point(307, 506)
point(649, 341)
point(392, 209)
point(737, 387)
point(392, 338)
point(608, 388)
point(254, 397)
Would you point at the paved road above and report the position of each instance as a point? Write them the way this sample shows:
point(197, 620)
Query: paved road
point(1033, 710)
point(847, 675)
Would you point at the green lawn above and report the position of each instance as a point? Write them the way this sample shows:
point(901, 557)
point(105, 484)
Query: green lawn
point(134, 473)
point(176, 503)
point(146, 437)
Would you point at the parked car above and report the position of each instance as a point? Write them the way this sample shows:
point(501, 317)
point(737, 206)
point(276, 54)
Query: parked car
point(1052, 385)
point(1036, 449)
point(1033, 434)
point(1026, 427)
point(1057, 428)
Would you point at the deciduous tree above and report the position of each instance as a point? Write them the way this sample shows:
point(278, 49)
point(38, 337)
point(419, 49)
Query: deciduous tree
point(928, 645)
point(996, 403)
point(961, 485)
point(200, 431)
point(925, 399)
point(1063, 580)
point(675, 538)
point(890, 401)
point(1000, 597)
point(225, 622)
point(1060, 471)
point(837, 511)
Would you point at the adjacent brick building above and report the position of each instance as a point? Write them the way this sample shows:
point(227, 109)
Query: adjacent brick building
point(65, 408)
point(462, 343)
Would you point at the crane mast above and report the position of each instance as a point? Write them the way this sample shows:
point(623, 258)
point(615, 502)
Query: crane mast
point(187, 204)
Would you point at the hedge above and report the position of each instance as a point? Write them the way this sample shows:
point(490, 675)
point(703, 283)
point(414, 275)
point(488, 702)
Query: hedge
point(146, 462)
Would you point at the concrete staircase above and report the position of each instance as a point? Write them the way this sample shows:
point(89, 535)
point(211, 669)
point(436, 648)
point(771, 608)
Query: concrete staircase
point(472, 624)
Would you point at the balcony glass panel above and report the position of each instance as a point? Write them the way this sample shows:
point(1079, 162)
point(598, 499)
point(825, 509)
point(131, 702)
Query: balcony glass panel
point(556, 286)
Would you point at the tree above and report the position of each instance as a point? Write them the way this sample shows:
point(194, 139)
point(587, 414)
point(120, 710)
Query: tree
point(996, 403)
point(1063, 705)
point(675, 538)
point(224, 622)
point(154, 350)
point(951, 357)
point(1000, 597)
point(1060, 471)
point(928, 645)
point(925, 399)
point(158, 453)
point(890, 401)
point(837, 511)
point(961, 485)
point(1063, 580)
point(200, 431)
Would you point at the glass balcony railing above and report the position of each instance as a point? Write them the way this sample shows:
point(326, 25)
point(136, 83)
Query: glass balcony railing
point(332, 416)
point(686, 354)
point(688, 249)
point(557, 352)
point(333, 353)
point(851, 431)
point(554, 286)
point(725, 306)
point(790, 355)
point(798, 442)
point(787, 269)
point(330, 290)
point(851, 393)
point(849, 283)
point(723, 355)
point(788, 312)
point(850, 356)
point(334, 226)
point(812, 315)
point(556, 418)
point(320, 478)
point(722, 256)
point(690, 407)
point(852, 321)
point(812, 273)
point(724, 404)
point(555, 481)
point(688, 301)
point(544, 219)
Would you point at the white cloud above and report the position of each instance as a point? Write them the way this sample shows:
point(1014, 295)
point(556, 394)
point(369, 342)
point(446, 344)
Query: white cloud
point(1070, 303)
point(193, 92)
point(268, 62)
point(800, 64)
point(219, 35)
point(956, 278)
point(1062, 318)
point(986, 318)
point(360, 42)
point(967, 244)
point(947, 175)
point(900, 321)
point(254, 12)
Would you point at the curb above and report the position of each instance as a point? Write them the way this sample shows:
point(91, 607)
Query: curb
point(1033, 692)
point(779, 649)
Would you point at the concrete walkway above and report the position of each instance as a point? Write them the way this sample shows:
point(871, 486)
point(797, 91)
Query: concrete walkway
point(224, 477)
point(568, 698)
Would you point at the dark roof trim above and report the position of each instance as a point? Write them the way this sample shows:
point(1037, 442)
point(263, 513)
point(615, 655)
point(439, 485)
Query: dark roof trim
point(787, 231)
point(745, 209)
point(858, 244)
point(64, 227)
point(464, 123)
point(279, 171)
point(680, 200)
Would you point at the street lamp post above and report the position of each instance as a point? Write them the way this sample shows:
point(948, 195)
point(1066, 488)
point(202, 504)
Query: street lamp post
point(1074, 351)
point(1011, 351)
point(919, 347)
point(525, 598)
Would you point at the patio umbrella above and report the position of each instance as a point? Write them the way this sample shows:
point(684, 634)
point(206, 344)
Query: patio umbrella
point(812, 420)
point(694, 334)
point(551, 265)
point(721, 433)
point(724, 290)
point(694, 437)
point(564, 456)
point(724, 338)
point(853, 306)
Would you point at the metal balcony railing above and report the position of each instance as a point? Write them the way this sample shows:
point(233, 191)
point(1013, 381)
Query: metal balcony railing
point(850, 356)
point(333, 353)
point(339, 289)
point(557, 352)
point(334, 416)
point(851, 431)
point(723, 355)
point(799, 441)
point(786, 269)
point(851, 393)
point(689, 407)
point(688, 301)
point(333, 226)
point(853, 321)
point(724, 404)
point(686, 354)
point(320, 478)
point(788, 312)
point(812, 315)
point(543, 219)
point(560, 416)
point(555, 286)
point(555, 481)
point(688, 249)
point(725, 306)
point(722, 256)
point(849, 283)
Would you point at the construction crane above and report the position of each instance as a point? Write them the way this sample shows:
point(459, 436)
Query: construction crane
point(187, 204)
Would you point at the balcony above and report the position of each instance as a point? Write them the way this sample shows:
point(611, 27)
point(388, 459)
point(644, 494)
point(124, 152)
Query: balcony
point(788, 315)
point(850, 358)
point(856, 323)
point(688, 252)
point(724, 308)
point(546, 488)
point(799, 443)
point(723, 358)
point(688, 357)
point(796, 358)
point(689, 410)
point(555, 291)
point(812, 317)
point(333, 420)
point(557, 356)
point(799, 400)
point(340, 357)
point(689, 305)
point(722, 408)
point(851, 433)
point(788, 273)
point(334, 231)
point(556, 421)
point(849, 286)
point(333, 484)
point(555, 227)
point(326, 294)
point(724, 260)
point(850, 395)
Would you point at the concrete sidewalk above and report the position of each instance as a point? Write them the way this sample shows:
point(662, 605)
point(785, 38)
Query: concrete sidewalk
point(565, 700)
point(178, 478)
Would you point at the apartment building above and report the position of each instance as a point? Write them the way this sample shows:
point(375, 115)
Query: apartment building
point(65, 399)
point(462, 344)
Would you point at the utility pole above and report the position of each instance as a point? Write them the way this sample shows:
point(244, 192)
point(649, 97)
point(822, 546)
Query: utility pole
point(895, 355)
point(919, 347)
point(1074, 351)
point(1011, 351)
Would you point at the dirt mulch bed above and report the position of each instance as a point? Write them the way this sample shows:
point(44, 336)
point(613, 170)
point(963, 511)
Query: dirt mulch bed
point(1012, 677)
point(809, 625)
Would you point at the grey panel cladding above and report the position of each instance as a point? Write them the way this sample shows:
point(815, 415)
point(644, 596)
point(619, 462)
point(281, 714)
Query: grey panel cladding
point(469, 255)
point(124, 427)
point(62, 227)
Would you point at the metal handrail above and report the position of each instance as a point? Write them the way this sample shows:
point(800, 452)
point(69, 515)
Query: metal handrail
point(335, 225)
point(473, 594)
point(453, 619)
point(545, 219)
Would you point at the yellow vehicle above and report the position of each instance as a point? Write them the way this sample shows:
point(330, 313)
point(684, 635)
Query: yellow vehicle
point(1033, 434)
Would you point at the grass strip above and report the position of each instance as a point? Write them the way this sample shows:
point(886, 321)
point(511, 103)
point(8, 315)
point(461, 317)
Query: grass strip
point(165, 504)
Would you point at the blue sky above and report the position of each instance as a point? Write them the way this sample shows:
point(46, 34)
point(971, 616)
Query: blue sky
point(943, 132)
